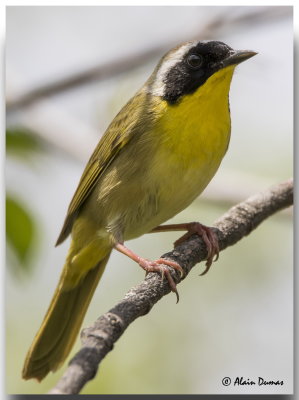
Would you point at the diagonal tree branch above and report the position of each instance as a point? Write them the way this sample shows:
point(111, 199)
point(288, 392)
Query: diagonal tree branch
point(99, 339)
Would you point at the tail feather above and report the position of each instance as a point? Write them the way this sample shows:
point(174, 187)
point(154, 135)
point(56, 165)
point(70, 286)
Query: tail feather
point(61, 324)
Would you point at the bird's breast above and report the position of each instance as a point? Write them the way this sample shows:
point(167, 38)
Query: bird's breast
point(194, 136)
point(193, 139)
point(170, 164)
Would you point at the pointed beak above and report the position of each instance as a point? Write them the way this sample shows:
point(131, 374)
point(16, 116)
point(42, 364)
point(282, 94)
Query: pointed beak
point(237, 57)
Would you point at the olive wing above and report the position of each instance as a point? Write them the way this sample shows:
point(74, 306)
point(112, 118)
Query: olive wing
point(118, 134)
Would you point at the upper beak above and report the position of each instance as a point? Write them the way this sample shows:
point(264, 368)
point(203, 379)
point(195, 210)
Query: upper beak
point(237, 57)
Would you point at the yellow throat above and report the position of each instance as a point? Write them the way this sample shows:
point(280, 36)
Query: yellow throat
point(200, 123)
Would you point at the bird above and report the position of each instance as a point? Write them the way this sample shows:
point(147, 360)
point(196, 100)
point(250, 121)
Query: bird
point(157, 155)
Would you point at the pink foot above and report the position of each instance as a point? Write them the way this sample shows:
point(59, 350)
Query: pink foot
point(208, 236)
point(155, 266)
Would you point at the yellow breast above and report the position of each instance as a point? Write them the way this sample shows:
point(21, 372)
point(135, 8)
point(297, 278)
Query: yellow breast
point(184, 149)
point(194, 137)
point(198, 128)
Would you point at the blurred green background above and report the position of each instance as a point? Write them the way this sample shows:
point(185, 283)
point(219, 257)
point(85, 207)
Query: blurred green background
point(235, 321)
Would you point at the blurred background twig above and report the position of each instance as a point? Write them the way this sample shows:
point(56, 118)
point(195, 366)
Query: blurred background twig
point(216, 27)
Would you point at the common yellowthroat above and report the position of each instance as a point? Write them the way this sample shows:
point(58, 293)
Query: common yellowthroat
point(156, 157)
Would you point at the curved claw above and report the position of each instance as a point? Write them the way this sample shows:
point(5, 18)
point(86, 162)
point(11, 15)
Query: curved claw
point(172, 285)
point(155, 266)
point(208, 236)
point(213, 254)
point(208, 265)
point(171, 264)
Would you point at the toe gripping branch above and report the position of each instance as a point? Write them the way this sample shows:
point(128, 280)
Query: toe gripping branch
point(161, 265)
point(208, 236)
point(206, 233)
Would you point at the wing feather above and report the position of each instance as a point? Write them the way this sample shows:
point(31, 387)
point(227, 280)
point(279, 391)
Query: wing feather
point(118, 134)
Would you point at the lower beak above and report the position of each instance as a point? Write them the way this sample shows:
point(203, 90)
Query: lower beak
point(237, 57)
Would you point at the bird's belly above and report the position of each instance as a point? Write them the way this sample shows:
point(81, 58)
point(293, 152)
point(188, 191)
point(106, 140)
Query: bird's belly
point(181, 156)
point(169, 186)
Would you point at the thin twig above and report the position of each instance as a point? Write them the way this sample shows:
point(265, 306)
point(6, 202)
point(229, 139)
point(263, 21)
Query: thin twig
point(99, 338)
point(213, 29)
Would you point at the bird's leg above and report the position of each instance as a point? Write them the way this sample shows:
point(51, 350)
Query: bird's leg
point(153, 266)
point(207, 234)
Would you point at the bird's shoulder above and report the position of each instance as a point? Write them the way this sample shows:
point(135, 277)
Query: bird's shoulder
point(130, 122)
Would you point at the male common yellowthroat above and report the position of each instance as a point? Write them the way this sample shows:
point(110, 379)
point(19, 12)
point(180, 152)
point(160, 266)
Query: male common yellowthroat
point(156, 157)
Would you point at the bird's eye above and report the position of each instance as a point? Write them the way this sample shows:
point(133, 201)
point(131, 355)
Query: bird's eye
point(194, 61)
